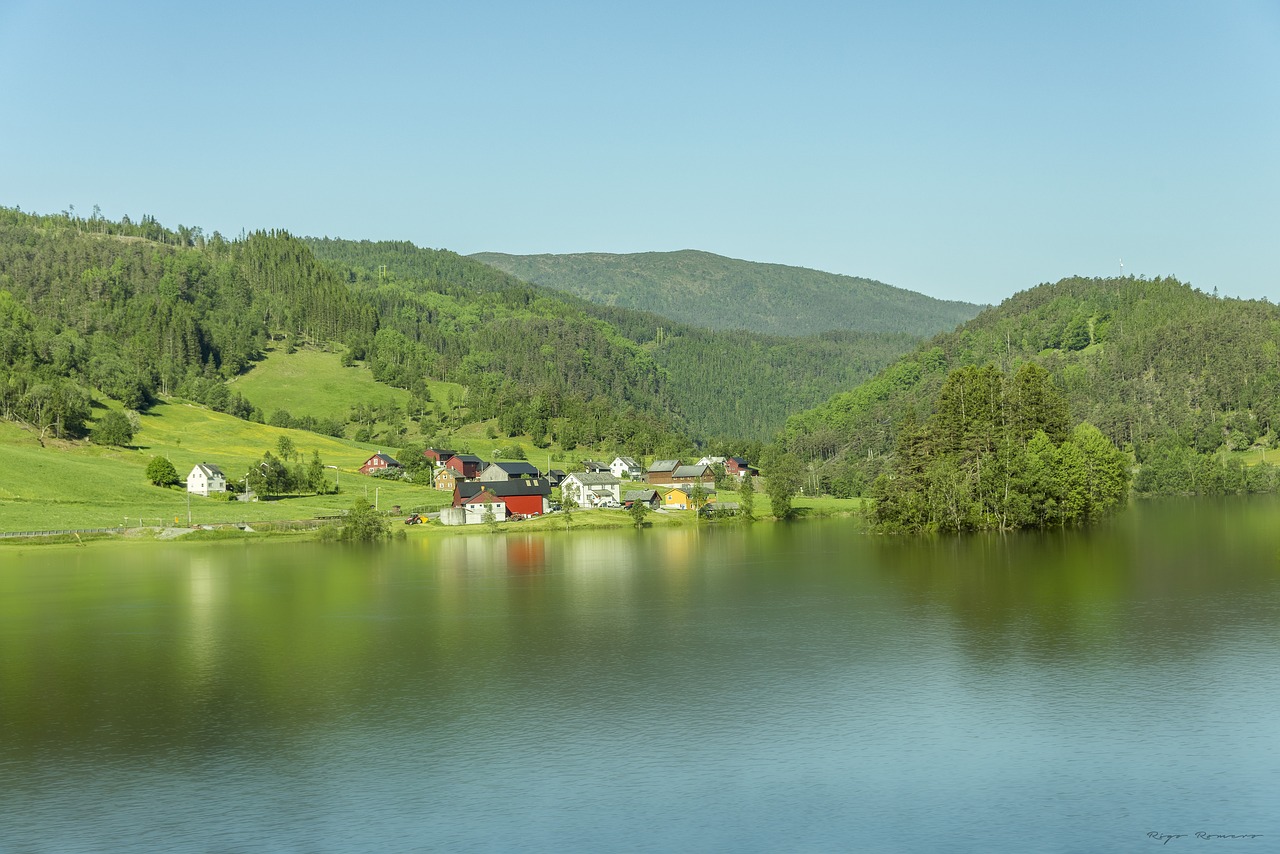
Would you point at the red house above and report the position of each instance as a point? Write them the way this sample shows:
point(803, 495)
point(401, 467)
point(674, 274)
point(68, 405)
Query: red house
point(437, 455)
point(738, 467)
point(465, 465)
point(377, 463)
point(527, 496)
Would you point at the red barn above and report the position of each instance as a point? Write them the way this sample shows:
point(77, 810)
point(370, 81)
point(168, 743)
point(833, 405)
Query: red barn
point(527, 496)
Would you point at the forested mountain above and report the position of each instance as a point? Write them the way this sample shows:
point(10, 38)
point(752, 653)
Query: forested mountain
point(724, 384)
point(139, 310)
point(715, 292)
point(1156, 365)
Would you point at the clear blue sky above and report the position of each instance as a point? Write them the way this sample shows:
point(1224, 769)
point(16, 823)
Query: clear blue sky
point(965, 150)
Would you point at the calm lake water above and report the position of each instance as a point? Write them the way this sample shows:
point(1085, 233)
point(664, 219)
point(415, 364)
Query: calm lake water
point(773, 688)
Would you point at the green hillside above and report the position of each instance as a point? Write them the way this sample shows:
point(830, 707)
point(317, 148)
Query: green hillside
point(1171, 373)
point(719, 383)
point(58, 484)
point(715, 292)
point(142, 312)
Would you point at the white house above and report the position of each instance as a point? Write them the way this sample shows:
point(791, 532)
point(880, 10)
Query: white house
point(206, 478)
point(481, 504)
point(626, 466)
point(589, 489)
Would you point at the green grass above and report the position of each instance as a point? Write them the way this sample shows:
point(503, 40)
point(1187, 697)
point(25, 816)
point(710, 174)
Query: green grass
point(79, 485)
point(1254, 456)
point(312, 382)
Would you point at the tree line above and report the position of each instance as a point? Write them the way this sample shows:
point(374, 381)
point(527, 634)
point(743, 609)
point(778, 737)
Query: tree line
point(997, 453)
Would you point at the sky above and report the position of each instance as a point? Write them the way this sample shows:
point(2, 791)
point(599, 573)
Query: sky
point(964, 150)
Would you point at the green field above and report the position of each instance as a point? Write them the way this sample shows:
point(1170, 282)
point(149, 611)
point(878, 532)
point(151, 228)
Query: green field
point(313, 382)
point(78, 485)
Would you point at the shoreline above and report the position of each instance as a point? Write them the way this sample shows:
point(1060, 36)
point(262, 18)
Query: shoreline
point(309, 530)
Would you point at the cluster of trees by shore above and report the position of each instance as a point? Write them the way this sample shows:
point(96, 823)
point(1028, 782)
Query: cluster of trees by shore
point(997, 453)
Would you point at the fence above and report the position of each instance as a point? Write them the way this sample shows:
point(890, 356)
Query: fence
point(116, 530)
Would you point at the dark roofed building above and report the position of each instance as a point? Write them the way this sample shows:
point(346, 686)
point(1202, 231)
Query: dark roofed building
point(693, 474)
point(465, 465)
point(379, 462)
point(661, 471)
point(508, 471)
point(644, 496)
point(527, 496)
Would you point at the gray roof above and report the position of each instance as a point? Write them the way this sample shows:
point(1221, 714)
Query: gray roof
point(210, 470)
point(691, 471)
point(640, 495)
point(591, 478)
point(518, 469)
point(629, 462)
point(664, 465)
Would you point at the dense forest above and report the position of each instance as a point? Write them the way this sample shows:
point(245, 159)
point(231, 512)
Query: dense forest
point(1172, 374)
point(998, 454)
point(714, 292)
point(139, 311)
point(723, 384)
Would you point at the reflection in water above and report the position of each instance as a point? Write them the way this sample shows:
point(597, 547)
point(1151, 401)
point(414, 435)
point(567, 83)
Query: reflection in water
point(201, 635)
point(767, 687)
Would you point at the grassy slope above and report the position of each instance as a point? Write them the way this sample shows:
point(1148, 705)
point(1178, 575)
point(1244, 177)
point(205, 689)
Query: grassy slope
point(73, 485)
point(312, 382)
point(725, 293)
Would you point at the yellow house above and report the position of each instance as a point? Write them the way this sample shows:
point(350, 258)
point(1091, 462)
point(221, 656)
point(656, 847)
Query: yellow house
point(446, 479)
point(679, 497)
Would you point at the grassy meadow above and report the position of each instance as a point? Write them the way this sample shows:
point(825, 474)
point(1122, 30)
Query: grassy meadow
point(79, 485)
point(314, 382)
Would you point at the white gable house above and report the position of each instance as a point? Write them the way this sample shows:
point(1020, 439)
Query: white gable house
point(591, 489)
point(626, 467)
point(206, 478)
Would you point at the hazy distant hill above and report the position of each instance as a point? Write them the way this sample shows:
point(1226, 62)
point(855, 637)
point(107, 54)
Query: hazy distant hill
point(724, 293)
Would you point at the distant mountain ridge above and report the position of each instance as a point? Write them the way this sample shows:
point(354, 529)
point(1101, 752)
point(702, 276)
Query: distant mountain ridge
point(716, 292)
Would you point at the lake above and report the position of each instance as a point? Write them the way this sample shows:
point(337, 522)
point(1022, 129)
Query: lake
point(802, 687)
